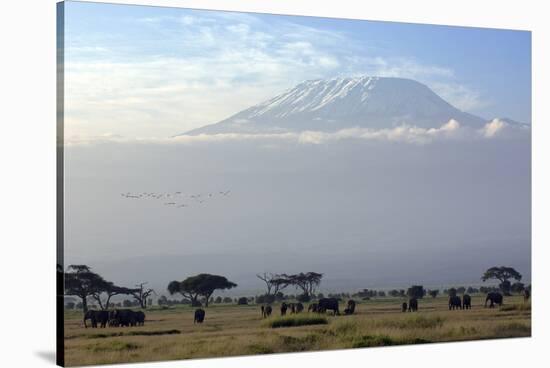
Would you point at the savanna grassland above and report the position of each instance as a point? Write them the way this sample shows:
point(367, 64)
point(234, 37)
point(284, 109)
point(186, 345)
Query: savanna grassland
point(230, 330)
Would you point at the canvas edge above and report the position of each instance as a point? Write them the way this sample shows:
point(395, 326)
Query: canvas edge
point(60, 266)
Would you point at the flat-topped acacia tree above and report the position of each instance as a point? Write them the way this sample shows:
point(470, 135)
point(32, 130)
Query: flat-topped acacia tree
point(80, 281)
point(503, 274)
point(203, 284)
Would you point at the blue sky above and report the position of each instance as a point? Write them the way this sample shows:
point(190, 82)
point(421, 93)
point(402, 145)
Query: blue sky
point(153, 72)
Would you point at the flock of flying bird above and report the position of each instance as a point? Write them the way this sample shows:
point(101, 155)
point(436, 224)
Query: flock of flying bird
point(177, 199)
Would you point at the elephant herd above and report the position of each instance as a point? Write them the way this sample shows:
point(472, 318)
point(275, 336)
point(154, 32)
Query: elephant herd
point(114, 318)
point(292, 307)
point(456, 303)
point(322, 306)
point(128, 317)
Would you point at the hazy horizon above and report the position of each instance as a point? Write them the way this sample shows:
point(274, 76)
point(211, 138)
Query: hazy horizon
point(375, 212)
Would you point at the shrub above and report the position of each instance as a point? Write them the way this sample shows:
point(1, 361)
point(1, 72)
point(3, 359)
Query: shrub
point(113, 346)
point(293, 321)
point(383, 340)
point(265, 299)
point(368, 341)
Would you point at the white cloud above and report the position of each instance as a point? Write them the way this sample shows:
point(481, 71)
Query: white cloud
point(493, 128)
point(452, 130)
point(219, 64)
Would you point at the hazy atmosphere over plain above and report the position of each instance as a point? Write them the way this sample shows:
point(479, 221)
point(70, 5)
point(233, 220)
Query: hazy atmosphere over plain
point(366, 206)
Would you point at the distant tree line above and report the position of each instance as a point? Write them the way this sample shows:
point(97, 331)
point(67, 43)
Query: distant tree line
point(93, 291)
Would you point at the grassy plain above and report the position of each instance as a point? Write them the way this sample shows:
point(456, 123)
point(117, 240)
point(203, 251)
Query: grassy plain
point(231, 330)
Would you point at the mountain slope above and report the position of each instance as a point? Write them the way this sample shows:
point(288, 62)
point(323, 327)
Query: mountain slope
point(339, 103)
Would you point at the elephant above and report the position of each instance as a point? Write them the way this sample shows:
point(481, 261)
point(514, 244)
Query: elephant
point(526, 295)
point(125, 317)
point(140, 318)
point(298, 307)
point(466, 302)
point(284, 307)
point(404, 307)
point(328, 304)
point(494, 298)
point(266, 311)
point(97, 316)
point(413, 305)
point(292, 307)
point(455, 302)
point(113, 322)
point(199, 315)
point(313, 307)
point(351, 307)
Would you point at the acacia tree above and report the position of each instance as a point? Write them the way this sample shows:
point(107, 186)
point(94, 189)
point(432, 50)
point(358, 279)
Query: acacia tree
point(307, 282)
point(110, 290)
point(203, 285)
point(267, 278)
point(518, 287)
point(503, 274)
point(141, 294)
point(186, 289)
point(80, 281)
point(274, 283)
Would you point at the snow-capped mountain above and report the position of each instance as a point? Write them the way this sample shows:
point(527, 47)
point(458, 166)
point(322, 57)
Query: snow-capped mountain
point(339, 103)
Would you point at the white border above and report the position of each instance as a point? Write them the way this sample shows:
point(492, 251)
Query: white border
point(27, 82)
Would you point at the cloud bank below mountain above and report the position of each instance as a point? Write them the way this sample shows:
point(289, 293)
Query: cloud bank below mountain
point(452, 130)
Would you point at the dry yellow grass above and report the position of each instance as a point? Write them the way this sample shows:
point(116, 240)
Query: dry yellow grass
point(231, 330)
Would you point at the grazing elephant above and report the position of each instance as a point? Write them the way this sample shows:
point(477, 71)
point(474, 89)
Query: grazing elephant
point(140, 318)
point(284, 307)
point(351, 307)
point(125, 317)
point(466, 302)
point(455, 302)
point(266, 311)
point(313, 307)
point(97, 316)
point(298, 307)
point(413, 305)
point(113, 322)
point(404, 307)
point(328, 304)
point(494, 298)
point(199, 315)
